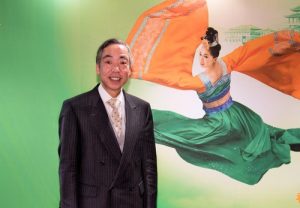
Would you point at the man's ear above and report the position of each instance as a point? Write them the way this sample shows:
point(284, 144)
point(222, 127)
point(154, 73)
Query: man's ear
point(98, 69)
point(130, 71)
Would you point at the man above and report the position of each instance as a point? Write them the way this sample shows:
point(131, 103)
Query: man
point(107, 150)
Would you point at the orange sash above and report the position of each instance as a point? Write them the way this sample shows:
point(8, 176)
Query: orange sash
point(273, 59)
point(163, 42)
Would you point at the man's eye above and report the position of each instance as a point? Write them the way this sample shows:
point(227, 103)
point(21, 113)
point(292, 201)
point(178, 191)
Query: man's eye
point(124, 62)
point(107, 62)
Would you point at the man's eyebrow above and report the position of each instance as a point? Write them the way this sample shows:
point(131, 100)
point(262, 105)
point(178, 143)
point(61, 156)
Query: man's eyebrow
point(107, 56)
point(124, 57)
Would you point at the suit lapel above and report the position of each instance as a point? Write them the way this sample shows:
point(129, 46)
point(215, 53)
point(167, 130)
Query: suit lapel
point(130, 135)
point(102, 126)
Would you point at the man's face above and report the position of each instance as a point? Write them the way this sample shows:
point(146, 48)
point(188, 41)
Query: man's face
point(114, 68)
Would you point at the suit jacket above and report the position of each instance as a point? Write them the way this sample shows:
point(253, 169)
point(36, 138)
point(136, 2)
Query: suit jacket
point(93, 172)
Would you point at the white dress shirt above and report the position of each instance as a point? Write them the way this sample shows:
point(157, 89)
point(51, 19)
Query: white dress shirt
point(121, 108)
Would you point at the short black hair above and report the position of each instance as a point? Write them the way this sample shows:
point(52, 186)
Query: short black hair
point(108, 43)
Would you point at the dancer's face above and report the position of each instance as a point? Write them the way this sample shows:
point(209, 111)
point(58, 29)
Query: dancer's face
point(206, 59)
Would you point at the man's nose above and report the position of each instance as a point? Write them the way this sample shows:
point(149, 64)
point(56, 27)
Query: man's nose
point(116, 67)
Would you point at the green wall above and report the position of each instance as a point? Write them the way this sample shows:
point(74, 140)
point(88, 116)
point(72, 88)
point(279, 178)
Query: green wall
point(47, 54)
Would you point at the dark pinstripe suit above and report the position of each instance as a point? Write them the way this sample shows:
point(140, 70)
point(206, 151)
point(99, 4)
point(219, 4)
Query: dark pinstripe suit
point(93, 172)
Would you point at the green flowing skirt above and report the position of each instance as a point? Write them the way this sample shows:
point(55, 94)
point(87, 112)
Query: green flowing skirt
point(235, 142)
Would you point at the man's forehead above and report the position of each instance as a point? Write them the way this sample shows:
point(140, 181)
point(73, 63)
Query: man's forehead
point(116, 48)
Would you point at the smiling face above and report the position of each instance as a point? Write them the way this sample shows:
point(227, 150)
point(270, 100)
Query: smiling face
point(114, 68)
point(206, 59)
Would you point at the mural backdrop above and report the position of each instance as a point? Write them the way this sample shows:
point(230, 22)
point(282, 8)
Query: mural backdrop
point(47, 54)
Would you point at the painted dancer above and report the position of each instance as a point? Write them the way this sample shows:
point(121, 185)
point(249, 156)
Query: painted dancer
point(230, 138)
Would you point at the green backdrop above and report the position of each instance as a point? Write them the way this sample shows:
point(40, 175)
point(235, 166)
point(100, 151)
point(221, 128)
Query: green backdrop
point(47, 54)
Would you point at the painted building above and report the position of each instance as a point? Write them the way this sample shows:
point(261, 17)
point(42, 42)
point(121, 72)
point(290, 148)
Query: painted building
point(294, 19)
point(244, 33)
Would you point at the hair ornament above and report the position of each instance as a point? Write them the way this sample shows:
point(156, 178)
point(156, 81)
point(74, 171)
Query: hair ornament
point(211, 41)
point(213, 44)
point(211, 37)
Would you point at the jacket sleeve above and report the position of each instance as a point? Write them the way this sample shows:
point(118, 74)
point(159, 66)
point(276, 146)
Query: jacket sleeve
point(149, 162)
point(68, 157)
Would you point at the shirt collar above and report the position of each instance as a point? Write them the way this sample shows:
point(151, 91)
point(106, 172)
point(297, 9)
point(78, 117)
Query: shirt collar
point(106, 97)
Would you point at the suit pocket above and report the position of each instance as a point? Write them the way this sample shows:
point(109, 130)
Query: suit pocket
point(87, 190)
point(141, 188)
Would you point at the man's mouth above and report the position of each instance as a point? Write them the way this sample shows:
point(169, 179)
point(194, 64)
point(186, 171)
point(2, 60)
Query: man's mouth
point(115, 78)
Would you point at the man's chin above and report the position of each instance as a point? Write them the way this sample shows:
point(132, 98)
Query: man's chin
point(116, 86)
